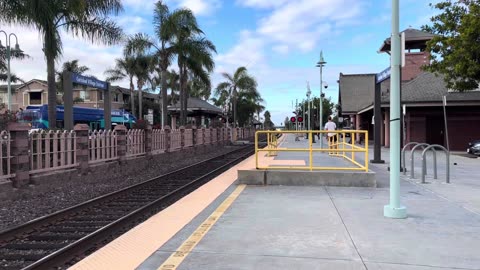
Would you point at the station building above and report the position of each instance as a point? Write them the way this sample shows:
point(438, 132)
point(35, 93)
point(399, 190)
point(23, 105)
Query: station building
point(421, 99)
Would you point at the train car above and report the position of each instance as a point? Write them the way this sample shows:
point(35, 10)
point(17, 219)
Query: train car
point(37, 117)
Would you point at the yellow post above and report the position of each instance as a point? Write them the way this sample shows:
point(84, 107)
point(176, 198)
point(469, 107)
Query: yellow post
point(256, 150)
point(310, 134)
point(353, 143)
point(366, 151)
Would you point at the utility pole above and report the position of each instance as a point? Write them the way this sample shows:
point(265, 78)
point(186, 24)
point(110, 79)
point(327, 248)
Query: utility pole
point(395, 209)
point(321, 63)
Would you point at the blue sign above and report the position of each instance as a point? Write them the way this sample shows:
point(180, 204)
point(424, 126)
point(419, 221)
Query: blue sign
point(382, 76)
point(89, 81)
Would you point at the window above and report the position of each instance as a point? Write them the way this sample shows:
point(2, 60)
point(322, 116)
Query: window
point(35, 98)
point(116, 97)
point(85, 95)
point(100, 95)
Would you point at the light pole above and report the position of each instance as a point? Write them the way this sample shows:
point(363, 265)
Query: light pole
point(320, 64)
point(309, 93)
point(8, 41)
point(395, 209)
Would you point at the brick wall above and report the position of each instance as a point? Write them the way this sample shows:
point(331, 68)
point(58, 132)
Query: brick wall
point(413, 63)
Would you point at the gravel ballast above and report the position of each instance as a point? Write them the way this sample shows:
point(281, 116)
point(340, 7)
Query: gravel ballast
point(45, 198)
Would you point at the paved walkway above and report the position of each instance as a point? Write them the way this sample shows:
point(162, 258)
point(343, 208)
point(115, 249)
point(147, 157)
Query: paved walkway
point(277, 227)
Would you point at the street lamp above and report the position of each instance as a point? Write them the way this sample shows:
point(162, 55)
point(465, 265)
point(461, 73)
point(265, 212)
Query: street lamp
point(321, 63)
point(9, 51)
point(309, 93)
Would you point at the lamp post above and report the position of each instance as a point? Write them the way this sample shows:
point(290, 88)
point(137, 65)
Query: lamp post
point(321, 63)
point(309, 93)
point(9, 51)
point(395, 209)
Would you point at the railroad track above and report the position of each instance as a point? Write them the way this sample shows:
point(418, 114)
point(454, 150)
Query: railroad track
point(59, 240)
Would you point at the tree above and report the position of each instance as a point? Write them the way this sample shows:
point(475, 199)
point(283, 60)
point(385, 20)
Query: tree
point(71, 66)
point(4, 67)
point(455, 47)
point(198, 88)
point(173, 82)
point(194, 54)
point(268, 124)
point(241, 81)
point(87, 19)
point(124, 68)
point(327, 108)
point(164, 29)
point(144, 64)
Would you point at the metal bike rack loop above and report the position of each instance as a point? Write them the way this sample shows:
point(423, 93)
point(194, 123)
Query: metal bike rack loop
point(424, 162)
point(404, 149)
point(412, 154)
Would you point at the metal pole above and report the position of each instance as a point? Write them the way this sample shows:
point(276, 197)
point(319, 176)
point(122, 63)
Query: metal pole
point(320, 113)
point(395, 209)
point(8, 79)
point(445, 117)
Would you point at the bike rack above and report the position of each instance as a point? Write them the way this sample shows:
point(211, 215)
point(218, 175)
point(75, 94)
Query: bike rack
point(404, 165)
point(424, 162)
point(412, 154)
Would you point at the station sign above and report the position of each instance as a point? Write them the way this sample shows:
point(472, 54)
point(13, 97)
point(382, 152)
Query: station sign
point(89, 81)
point(382, 76)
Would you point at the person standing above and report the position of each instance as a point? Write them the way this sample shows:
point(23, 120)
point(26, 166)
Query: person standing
point(331, 136)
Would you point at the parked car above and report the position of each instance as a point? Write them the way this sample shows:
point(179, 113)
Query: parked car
point(474, 148)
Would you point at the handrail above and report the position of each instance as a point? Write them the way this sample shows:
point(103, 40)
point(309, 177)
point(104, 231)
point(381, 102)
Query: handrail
point(340, 148)
point(424, 162)
point(412, 173)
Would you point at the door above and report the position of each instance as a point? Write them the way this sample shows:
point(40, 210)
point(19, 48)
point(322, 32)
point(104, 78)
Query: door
point(435, 130)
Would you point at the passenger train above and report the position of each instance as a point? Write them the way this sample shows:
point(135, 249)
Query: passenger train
point(37, 117)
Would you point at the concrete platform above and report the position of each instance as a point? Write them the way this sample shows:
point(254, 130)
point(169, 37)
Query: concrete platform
point(275, 227)
point(307, 178)
point(344, 178)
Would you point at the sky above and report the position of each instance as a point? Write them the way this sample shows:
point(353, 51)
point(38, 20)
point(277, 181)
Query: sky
point(279, 41)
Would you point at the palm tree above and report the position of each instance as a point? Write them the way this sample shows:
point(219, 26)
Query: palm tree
point(124, 68)
point(71, 66)
point(164, 53)
point(87, 19)
point(198, 88)
point(241, 81)
point(143, 67)
point(173, 82)
point(137, 47)
point(3, 65)
point(194, 53)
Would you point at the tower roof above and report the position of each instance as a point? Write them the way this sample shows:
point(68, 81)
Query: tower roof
point(414, 39)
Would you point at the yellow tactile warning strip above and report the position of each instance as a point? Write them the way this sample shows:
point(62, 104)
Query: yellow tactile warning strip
point(184, 250)
point(134, 247)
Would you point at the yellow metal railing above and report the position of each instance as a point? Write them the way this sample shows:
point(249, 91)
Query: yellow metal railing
point(272, 144)
point(337, 147)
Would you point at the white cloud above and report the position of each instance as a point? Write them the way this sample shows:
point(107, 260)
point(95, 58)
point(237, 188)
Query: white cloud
point(200, 7)
point(97, 57)
point(291, 26)
point(281, 49)
point(261, 3)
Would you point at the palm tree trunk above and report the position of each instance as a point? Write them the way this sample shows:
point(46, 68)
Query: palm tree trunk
point(234, 108)
point(132, 97)
point(185, 96)
point(164, 96)
point(182, 112)
point(52, 94)
point(140, 100)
